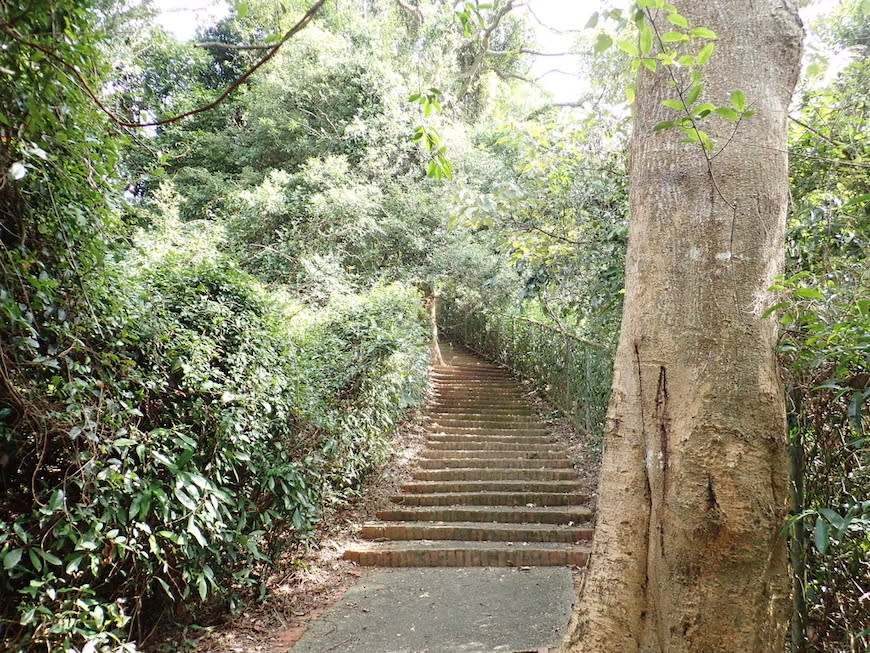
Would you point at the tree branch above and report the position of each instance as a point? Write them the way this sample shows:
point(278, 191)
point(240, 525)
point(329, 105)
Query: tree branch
point(548, 27)
point(61, 62)
point(474, 68)
point(815, 131)
point(416, 12)
point(230, 46)
point(505, 53)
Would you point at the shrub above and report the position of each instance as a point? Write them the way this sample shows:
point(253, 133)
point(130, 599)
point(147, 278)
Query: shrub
point(190, 436)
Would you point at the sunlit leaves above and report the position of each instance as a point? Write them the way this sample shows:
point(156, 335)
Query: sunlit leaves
point(704, 54)
point(628, 47)
point(702, 33)
point(738, 100)
point(603, 42)
point(646, 38)
point(678, 20)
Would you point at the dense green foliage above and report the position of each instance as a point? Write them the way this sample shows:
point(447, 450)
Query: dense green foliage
point(826, 347)
point(167, 423)
point(209, 330)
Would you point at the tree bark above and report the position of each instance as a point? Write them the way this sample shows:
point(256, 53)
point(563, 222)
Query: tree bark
point(694, 489)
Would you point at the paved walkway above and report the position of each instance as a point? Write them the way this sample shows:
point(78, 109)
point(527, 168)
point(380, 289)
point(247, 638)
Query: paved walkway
point(484, 533)
point(446, 610)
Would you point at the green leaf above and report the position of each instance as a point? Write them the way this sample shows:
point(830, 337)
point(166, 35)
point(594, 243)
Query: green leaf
point(593, 21)
point(646, 39)
point(185, 499)
point(73, 565)
point(12, 558)
point(821, 536)
point(649, 64)
point(686, 60)
point(773, 309)
point(859, 199)
point(56, 501)
point(28, 616)
point(693, 135)
point(193, 529)
point(678, 20)
point(630, 94)
point(705, 53)
point(738, 100)
point(628, 47)
point(703, 33)
point(694, 94)
point(603, 42)
point(809, 293)
point(674, 104)
point(674, 37)
point(728, 113)
point(667, 124)
point(705, 109)
point(835, 519)
point(50, 558)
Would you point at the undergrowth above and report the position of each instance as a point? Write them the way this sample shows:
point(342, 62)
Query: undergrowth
point(193, 433)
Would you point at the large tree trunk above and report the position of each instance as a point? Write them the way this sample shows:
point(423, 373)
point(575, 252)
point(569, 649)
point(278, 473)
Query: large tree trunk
point(688, 554)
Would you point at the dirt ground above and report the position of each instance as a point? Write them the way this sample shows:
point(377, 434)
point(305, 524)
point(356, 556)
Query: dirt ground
point(302, 585)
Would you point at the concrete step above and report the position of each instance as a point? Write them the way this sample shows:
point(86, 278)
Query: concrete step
point(515, 454)
point(471, 369)
point(570, 515)
point(447, 410)
point(475, 532)
point(477, 417)
point(492, 488)
point(474, 371)
point(479, 498)
point(434, 487)
point(494, 474)
point(485, 445)
point(470, 430)
point(509, 399)
point(495, 463)
point(449, 553)
point(473, 437)
point(491, 381)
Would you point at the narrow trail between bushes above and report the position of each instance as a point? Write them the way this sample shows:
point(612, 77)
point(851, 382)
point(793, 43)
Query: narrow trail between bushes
point(481, 544)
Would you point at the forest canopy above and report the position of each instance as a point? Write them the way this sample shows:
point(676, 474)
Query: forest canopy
point(211, 327)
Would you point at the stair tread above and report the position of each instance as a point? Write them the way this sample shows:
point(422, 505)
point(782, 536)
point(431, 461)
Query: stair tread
point(484, 485)
point(465, 544)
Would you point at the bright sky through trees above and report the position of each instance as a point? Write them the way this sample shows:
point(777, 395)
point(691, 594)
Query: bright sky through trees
point(558, 22)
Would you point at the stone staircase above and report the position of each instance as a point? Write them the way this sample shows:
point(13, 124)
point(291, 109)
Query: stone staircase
point(492, 487)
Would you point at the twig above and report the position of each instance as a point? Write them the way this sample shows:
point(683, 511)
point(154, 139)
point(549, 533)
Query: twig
point(815, 131)
point(230, 46)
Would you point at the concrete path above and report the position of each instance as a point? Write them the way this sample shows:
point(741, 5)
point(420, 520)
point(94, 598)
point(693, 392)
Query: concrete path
point(446, 610)
point(478, 545)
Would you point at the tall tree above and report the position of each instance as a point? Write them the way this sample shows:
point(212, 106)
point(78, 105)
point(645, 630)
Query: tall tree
point(688, 554)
